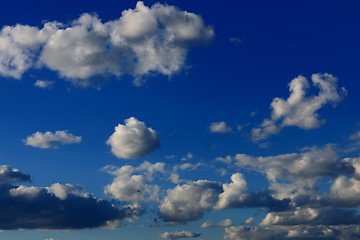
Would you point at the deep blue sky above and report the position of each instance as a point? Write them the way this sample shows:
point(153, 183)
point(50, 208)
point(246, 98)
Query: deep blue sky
point(235, 62)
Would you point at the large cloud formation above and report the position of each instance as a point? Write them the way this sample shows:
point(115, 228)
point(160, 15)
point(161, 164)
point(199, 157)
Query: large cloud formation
point(142, 41)
point(60, 206)
point(134, 139)
point(51, 140)
point(299, 109)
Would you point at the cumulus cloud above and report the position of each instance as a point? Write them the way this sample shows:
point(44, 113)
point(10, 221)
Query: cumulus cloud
point(181, 234)
point(131, 183)
point(44, 84)
point(189, 202)
point(134, 139)
point(142, 41)
point(233, 192)
point(300, 109)
point(219, 127)
point(51, 140)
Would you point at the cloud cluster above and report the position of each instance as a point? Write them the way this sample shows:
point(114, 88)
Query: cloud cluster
point(51, 140)
point(60, 206)
point(177, 235)
point(142, 41)
point(224, 223)
point(134, 139)
point(299, 109)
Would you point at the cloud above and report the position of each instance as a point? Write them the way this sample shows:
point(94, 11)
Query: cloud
point(355, 136)
point(219, 127)
point(308, 165)
point(51, 140)
point(9, 175)
point(134, 139)
point(142, 41)
point(177, 235)
point(299, 109)
point(60, 206)
point(131, 183)
point(224, 223)
point(189, 202)
point(233, 192)
point(250, 220)
point(44, 84)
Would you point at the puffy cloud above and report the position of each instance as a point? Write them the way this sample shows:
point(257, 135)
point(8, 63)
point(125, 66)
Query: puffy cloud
point(250, 220)
point(130, 183)
point(44, 84)
point(142, 41)
point(220, 127)
point(233, 193)
point(189, 202)
point(253, 233)
point(9, 175)
point(181, 234)
point(299, 109)
point(344, 192)
point(134, 139)
point(51, 140)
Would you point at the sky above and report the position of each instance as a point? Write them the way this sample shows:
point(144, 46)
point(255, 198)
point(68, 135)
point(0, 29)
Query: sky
point(179, 120)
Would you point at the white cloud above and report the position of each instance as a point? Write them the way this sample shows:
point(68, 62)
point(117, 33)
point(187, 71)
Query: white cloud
point(233, 192)
point(299, 109)
point(308, 165)
point(44, 84)
point(12, 175)
point(345, 192)
point(131, 183)
point(250, 220)
point(181, 234)
point(219, 127)
point(51, 140)
point(134, 139)
point(142, 41)
point(190, 201)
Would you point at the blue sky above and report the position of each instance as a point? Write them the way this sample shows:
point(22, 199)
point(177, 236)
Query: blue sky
point(179, 119)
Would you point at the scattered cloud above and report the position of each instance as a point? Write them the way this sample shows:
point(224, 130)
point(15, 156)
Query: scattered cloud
point(219, 127)
point(181, 234)
point(132, 140)
point(142, 41)
point(224, 223)
point(51, 140)
point(236, 40)
point(299, 109)
point(250, 220)
point(44, 84)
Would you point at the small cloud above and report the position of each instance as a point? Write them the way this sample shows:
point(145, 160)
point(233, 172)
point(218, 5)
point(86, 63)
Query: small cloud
point(355, 136)
point(51, 140)
point(220, 127)
point(177, 235)
point(187, 157)
point(250, 220)
point(236, 40)
point(134, 139)
point(44, 84)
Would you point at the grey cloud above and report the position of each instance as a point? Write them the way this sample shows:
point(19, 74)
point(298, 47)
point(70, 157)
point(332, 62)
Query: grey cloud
point(9, 175)
point(299, 109)
point(142, 41)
